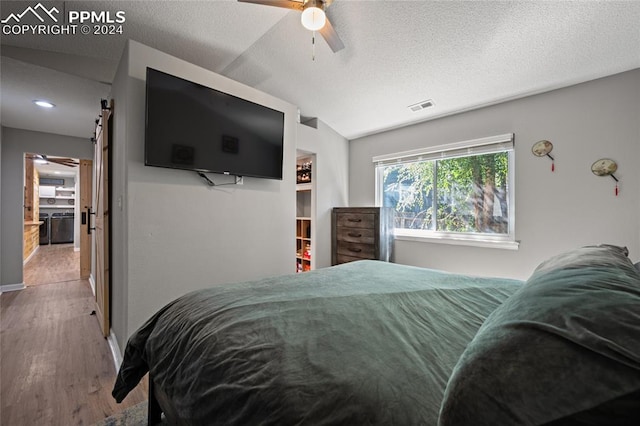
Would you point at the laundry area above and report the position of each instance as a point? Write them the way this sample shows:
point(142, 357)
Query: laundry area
point(57, 215)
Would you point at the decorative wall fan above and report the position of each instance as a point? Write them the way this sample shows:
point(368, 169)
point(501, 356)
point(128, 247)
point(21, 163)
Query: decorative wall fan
point(313, 17)
point(543, 148)
point(44, 159)
point(606, 167)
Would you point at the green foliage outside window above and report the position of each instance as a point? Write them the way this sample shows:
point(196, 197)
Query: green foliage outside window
point(463, 194)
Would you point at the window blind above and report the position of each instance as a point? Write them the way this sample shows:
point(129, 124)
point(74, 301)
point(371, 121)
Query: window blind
point(480, 146)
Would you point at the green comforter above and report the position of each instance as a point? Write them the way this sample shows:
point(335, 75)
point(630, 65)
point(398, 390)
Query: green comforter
point(360, 344)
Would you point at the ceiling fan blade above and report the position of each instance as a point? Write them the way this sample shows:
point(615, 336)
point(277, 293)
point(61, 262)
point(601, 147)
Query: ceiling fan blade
point(287, 4)
point(331, 37)
point(69, 162)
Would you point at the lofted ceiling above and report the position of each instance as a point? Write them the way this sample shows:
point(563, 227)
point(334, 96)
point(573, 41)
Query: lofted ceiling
point(459, 54)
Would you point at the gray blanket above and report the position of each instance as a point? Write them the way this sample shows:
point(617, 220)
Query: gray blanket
point(362, 343)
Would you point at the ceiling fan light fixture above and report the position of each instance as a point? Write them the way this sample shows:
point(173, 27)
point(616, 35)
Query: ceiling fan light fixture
point(313, 16)
point(40, 159)
point(43, 103)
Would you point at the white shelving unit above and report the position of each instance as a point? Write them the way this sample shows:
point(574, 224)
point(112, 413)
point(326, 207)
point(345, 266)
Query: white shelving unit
point(305, 246)
point(57, 197)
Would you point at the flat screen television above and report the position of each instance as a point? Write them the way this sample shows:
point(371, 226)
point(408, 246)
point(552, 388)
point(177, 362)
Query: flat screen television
point(193, 127)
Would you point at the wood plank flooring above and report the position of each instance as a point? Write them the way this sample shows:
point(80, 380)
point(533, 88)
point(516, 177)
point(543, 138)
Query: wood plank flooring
point(56, 368)
point(51, 264)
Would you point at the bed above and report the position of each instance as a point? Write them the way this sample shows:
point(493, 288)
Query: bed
point(375, 343)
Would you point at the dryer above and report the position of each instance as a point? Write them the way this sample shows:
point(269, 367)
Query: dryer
point(44, 229)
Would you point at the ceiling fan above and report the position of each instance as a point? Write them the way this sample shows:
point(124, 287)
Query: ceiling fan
point(43, 159)
point(313, 17)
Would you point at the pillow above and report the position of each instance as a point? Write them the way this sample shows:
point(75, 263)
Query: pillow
point(637, 265)
point(566, 342)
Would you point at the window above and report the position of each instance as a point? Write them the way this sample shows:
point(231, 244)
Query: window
point(461, 192)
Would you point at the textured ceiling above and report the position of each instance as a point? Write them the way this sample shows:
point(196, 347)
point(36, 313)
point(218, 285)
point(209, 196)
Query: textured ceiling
point(462, 55)
point(77, 99)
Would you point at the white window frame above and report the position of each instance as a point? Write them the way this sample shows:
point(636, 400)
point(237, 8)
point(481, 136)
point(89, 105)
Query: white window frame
point(486, 145)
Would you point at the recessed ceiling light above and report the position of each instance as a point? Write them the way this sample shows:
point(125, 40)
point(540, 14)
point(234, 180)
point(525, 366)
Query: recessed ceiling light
point(43, 104)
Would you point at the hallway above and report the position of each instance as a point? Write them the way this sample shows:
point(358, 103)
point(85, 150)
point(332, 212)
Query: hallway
point(56, 368)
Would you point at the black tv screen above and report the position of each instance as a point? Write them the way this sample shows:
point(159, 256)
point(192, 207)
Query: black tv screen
point(194, 127)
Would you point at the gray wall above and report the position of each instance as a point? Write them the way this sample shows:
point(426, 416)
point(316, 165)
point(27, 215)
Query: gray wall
point(1, 134)
point(176, 234)
point(119, 229)
point(554, 211)
point(330, 173)
point(15, 143)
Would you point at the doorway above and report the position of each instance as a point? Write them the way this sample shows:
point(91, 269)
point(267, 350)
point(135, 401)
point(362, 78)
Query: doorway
point(305, 211)
point(53, 249)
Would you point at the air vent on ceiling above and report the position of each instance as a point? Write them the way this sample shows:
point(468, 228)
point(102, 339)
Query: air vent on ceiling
point(421, 105)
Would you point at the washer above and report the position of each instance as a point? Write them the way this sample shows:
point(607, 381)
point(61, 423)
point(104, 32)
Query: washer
point(62, 228)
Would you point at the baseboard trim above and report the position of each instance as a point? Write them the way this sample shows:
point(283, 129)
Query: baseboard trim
point(115, 350)
point(12, 287)
point(33, 253)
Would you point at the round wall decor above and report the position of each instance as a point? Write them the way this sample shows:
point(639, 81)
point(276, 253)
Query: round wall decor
point(604, 167)
point(542, 149)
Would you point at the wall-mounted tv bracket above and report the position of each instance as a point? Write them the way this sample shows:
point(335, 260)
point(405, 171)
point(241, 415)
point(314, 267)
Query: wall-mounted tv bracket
point(237, 181)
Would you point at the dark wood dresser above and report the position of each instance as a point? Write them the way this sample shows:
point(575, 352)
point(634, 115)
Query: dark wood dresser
point(361, 233)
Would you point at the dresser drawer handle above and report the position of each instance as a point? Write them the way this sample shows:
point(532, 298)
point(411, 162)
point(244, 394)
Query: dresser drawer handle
point(354, 235)
point(354, 220)
point(355, 250)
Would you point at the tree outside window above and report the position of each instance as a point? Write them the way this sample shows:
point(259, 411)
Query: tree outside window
point(463, 194)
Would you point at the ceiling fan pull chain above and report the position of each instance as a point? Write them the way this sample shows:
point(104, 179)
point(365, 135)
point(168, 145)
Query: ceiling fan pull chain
point(313, 45)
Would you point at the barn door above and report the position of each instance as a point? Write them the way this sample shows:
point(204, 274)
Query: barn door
point(101, 218)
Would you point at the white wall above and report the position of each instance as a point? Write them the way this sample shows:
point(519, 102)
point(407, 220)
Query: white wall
point(175, 233)
point(15, 143)
point(330, 172)
point(554, 211)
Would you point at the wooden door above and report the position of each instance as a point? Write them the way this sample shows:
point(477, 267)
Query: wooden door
point(85, 210)
point(101, 219)
point(29, 170)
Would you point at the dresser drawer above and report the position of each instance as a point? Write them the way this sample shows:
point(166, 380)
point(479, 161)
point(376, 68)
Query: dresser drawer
point(355, 220)
point(359, 233)
point(356, 235)
point(363, 251)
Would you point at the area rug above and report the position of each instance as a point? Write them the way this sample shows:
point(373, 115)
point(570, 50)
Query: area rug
point(132, 416)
